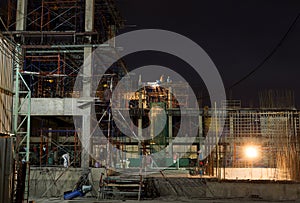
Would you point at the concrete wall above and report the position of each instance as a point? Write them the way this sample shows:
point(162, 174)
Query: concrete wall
point(51, 107)
point(266, 191)
point(43, 184)
point(207, 188)
point(254, 174)
point(54, 181)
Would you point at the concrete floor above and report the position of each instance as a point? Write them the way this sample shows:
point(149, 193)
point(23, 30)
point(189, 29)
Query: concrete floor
point(178, 200)
point(188, 188)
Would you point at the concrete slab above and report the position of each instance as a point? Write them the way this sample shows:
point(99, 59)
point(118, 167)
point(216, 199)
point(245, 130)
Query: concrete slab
point(53, 182)
point(87, 200)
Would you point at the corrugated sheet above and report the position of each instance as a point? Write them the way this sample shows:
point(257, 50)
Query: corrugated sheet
point(6, 86)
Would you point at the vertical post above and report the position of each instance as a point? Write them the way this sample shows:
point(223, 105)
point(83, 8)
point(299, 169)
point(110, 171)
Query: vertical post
point(112, 31)
point(21, 15)
point(86, 93)
point(85, 139)
point(17, 94)
point(28, 126)
point(170, 122)
point(42, 18)
point(89, 15)
point(140, 122)
point(232, 145)
point(152, 143)
point(217, 150)
point(140, 134)
point(41, 147)
point(225, 160)
point(109, 161)
point(49, 146)
point(200, 131)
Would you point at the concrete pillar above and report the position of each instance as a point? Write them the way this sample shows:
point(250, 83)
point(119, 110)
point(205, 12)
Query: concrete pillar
point(89, 15)
point(21, 15)
point(87, 72)
point(86, 117)
point(87, 86)
point(112, 33)
point(85, 139)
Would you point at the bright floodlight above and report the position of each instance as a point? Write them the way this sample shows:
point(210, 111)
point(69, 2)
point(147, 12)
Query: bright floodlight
point(251, 152)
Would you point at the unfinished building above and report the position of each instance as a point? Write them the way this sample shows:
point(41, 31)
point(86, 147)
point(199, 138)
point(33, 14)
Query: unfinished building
point(43, 48)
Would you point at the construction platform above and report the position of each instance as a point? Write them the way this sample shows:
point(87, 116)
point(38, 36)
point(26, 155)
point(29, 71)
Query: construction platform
point(49, 184)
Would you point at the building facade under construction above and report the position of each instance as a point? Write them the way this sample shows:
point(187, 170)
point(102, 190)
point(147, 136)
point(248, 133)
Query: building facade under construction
point(45, 46)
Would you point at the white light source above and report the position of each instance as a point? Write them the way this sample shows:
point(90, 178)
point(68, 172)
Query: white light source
point(251, 152)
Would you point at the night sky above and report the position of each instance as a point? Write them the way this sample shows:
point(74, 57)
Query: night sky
point(237, 35)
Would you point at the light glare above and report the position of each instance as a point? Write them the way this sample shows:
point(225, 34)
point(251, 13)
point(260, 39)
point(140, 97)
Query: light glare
point(251, 152)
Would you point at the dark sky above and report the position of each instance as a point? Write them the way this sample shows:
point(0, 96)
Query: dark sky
point(236, 34)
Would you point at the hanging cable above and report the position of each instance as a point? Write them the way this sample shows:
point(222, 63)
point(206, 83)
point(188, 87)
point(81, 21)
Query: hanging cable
point(269, 55)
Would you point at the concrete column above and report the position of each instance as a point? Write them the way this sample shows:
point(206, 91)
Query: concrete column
point(87, 87)
point(112, 33)
point(86, 94)
point(21, 15)
point(89, 15)
point(87, 72)
point(85, 139)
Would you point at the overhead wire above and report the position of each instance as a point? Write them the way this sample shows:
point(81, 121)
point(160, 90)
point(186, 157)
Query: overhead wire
point(275, 49)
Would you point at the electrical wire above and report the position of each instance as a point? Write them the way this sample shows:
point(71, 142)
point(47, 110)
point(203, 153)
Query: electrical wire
point(269, 55)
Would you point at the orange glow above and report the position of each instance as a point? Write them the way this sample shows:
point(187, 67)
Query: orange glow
point(251, 152)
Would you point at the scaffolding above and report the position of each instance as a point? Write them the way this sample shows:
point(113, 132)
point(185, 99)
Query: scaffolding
point(53, 37)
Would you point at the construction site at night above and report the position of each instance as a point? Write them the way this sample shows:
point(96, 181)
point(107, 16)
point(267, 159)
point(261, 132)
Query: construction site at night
point(77, 125)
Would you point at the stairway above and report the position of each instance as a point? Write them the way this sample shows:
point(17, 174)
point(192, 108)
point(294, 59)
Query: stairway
point(123, 187)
